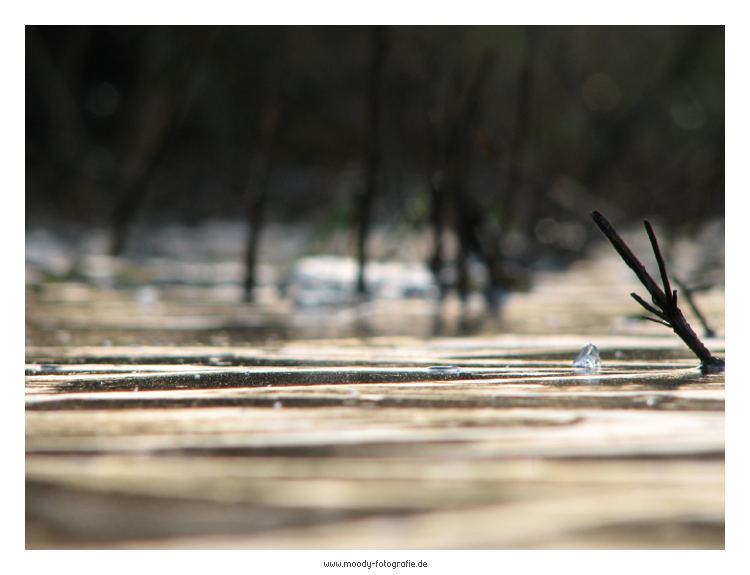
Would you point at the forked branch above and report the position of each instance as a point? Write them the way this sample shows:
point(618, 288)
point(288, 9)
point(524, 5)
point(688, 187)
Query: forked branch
point(664, 300)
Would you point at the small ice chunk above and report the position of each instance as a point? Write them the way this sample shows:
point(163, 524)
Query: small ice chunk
point(445, 369)
point(588, 359)
point(277, 405)
point(48, 368)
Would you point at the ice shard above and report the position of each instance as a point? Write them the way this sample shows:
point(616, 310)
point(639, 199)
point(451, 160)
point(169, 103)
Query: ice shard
point(588, 359)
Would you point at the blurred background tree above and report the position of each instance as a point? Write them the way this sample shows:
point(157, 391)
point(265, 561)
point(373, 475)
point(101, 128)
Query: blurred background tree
point(508, 136)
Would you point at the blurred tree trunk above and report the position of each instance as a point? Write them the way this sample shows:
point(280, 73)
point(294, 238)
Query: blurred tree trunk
point(146, 150)
point(512, 213)
point(464, 117)
point(163, 100)
point(372, 152)
point(435, 123)
point(258, 184)
point(273, 106)
point(517, 156)
point(257, 195)
point(437, 220)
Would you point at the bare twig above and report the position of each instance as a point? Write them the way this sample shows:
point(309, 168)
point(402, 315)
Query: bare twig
point(646, 305)
point(708, 331)
point(664, 301)
point(670, 301)
point(655, 320)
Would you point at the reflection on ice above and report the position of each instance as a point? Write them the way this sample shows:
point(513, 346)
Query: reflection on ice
point(326, 280)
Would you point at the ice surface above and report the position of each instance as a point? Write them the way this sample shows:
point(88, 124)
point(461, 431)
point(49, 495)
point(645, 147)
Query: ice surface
point(588, 359)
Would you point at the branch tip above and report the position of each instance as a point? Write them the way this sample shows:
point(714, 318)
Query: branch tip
point(664, 302)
